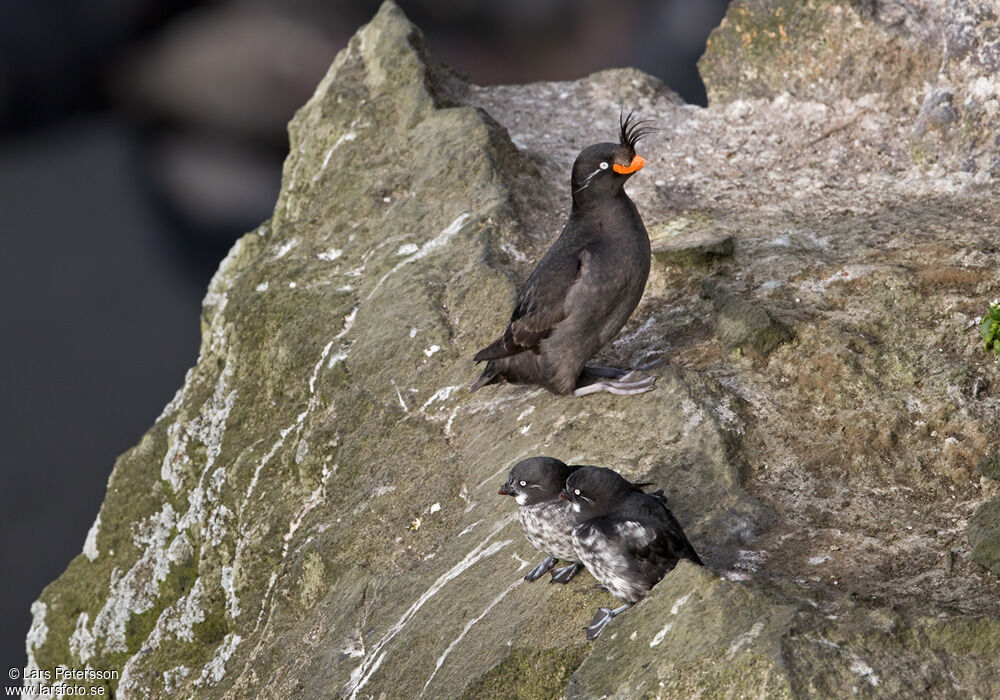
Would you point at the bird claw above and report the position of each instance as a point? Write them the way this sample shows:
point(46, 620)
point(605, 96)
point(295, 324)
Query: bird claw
point(601, 619)
point(539, 570)
point(566, 573)
point(635, 382)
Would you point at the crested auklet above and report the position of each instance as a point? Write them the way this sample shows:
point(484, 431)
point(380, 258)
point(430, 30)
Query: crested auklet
point(627, 539)
point(546, 519)
point(585, 287)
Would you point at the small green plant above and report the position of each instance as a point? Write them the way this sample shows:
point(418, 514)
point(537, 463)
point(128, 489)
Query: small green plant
point(990, 329)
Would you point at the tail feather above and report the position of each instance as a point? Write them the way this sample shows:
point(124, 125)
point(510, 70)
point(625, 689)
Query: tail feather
point(490, 375)
point(687, 549)
point(494, 351)
point(691, 554)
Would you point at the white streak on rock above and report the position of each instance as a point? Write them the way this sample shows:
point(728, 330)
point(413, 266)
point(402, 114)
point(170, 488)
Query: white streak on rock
point(81, 642)
point(745, 639)
point(467, 530)
point(348, 323)
point(349, 136)
point(666, 628)
point(513, 252)
point(314, 500)
point(311, 502)
point(426, 249)
point(330, 255)
point(371, 662)
point(659, 637)
point(173, 677)
point(263, 603)
point(680, 601)
point(90, 544)
point(267, 458)
point(177, 620)
point(215, 670)
point(336, 357)
point(862, 669)
point(175, 459)
point(440, 395)
point(208, 427)
point(319, 365)
point(431, 350)
point(285, 248)
point(135, 591)
point(465, 630)
point(400, 397)
point(37, 635)
point(228, 582)
point(407, 249)
point(175, 402)
point(857, 666)
point(626, 339)
point(451, 420)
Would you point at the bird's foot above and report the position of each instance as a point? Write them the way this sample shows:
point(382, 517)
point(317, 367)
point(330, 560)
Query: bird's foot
point(601, 618)
point(634, 382)
point(565, 574)
point(536, 573)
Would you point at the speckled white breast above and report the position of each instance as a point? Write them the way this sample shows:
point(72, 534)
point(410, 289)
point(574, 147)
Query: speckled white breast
point(548, 527)
point(608, 564)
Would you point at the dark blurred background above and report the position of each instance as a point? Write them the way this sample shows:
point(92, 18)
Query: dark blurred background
point(138, 140)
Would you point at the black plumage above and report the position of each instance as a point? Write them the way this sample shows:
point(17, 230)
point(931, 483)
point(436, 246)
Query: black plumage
point(585, 287)
point(547, 520)
point(627, 539)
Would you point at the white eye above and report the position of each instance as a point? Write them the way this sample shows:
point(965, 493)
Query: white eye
point(523, 483)
point(576, 491)
point(604, 165)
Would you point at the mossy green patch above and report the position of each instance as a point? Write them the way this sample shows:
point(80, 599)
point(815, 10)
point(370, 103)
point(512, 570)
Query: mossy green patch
point(529, 674)
point(989, 329)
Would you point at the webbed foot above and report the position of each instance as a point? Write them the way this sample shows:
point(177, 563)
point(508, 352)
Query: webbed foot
point(634, 382)
point(601, 618)
point(565, 574)
point(537, 572)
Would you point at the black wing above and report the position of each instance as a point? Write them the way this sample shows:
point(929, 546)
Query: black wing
point(541, 304)
point(671, 528)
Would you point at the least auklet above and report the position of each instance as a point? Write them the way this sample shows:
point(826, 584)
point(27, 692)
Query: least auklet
point(627, 539)
point(546, 519)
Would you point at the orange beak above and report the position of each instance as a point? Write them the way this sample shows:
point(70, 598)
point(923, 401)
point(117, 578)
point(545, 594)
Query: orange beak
point(634, 166)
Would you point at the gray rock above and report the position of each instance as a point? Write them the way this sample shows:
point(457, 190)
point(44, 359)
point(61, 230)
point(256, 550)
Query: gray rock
point(672, 244)
point(984, 535)
point(746, 325)
point(697, 635)
point(315, 513)
point(990, 465)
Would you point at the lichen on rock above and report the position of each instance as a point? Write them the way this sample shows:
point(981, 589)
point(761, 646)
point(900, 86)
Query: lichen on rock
point(314, 513)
